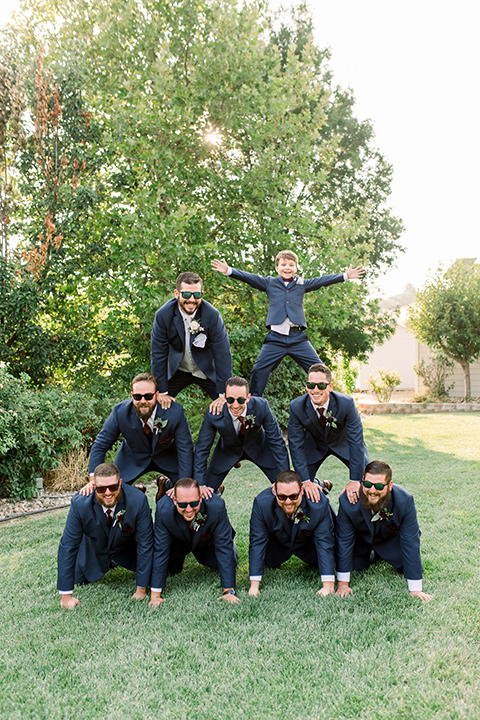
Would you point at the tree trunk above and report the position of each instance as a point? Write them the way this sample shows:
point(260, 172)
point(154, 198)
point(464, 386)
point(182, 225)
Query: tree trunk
point(466, 374)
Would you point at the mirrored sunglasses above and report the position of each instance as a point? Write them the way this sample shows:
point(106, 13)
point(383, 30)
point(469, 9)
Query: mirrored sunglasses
point(186, 294)
point(377, 486)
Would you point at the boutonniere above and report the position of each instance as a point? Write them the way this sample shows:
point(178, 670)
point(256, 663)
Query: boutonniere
point(382, 515)
point(160, 424)
point(249, 420)
point(331, 419)
point(195, 327)
point(198, 521)
point(119, 518)
point(299, 515)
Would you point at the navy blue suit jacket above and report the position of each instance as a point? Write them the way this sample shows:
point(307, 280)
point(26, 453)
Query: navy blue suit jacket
point(172, 532)
point(285, 301)
point(309, 443)
point(168, 345)
point(87, 546)
point(395, 539)
point(171, 446)
point(268, 518)
point(262, 442)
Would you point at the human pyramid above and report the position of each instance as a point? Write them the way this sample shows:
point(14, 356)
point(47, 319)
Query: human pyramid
point(110, 521)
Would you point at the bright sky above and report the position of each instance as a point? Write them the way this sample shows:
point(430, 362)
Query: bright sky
point(413, 67)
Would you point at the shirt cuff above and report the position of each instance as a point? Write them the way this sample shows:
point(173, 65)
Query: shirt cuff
point(343, 576)
point(156, 589)
point(345, 277)
point(415, 585)
point(66, 592)
point(327, 578)
point(229, 271)
point(256, 577)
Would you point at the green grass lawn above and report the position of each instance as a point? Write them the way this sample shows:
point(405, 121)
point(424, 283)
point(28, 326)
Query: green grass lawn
point(288, 654)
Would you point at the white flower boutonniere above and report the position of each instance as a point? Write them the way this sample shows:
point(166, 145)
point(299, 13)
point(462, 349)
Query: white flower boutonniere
point(195, 327)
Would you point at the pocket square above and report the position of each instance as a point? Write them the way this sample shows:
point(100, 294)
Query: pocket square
point(200, 340)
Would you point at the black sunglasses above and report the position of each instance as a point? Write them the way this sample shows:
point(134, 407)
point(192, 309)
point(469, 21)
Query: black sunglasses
point(377, 486)
point(194, 504)
point(284, 498)
point(321, 386)
point(138, 396)
point(101, 490)
point(231, 400)
point(186, 294)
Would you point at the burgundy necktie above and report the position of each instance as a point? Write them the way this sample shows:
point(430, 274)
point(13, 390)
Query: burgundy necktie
point(109, 518)
point(321, 416)
point(147, 429)
point(241, 432)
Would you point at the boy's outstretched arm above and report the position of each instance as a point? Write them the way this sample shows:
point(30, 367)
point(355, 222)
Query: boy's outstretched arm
point(220, 266)
point(353, 273)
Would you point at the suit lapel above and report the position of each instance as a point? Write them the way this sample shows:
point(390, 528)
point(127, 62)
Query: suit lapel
point(312, 415)
point(179, 324)
point(115, 529)
point(101, 518)
point(332, 409)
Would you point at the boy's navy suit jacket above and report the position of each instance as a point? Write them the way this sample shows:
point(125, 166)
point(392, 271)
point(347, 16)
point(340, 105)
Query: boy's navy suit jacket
point(285, 301)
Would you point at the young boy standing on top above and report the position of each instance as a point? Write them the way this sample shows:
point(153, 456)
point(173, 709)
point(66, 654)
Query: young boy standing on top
point(286, 317)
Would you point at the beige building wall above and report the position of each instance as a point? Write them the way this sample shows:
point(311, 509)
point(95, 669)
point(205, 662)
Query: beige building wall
point(456, 377)
point(398, 353)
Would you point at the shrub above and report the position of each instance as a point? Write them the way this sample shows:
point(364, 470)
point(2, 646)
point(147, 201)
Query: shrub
point(434, 375)
point(39, 427)
point(383, 385)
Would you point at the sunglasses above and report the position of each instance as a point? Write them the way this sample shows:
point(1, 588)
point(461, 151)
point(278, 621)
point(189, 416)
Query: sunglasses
point(240, 401)
point(284, 498)
point(377, 486)
point(138, 396)
point(101, 490)
point(186, 294)
point(184, 505)
point(321, 386)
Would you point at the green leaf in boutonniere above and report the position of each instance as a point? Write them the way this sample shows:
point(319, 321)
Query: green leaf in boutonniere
point(331, 420)
point(249, 421)
point(160, 424)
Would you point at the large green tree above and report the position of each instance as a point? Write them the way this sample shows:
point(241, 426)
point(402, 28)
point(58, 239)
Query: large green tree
point(446, 314)
point(188, 130)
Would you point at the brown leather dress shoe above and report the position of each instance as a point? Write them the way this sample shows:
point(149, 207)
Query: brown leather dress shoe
point(142, 487)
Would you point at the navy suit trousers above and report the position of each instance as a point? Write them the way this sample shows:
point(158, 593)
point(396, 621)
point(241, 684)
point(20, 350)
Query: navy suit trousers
point(275, 347)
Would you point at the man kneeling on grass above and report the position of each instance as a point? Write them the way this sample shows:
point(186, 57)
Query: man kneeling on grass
point(112, 526)
point(381, 524)
point(285, 522)
point(188, 523)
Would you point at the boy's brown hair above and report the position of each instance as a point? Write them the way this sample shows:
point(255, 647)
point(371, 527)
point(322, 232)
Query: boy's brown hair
point(286, 255)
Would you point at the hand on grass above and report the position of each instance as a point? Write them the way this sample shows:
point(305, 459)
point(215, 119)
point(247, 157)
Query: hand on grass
point(69, 602)
point(327, 589)
point(140, 593)
point(421, 594)
point(254, 590)
point(155, 599)
point(343, 589)
point(229, 598)
point(220, 266)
